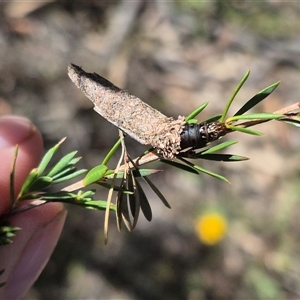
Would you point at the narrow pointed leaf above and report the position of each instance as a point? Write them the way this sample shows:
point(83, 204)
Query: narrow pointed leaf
point(244, 130)
point(137, 173)
point(200, 169)
point(196, 112)
point(257, 98)
point(219, 147)
point(40, 184)
point(62, 164)
point(259, 116)
point(192, 121)
point(29, 180)
point(131, 197)
point(95, 175)
point(99, 205)
point(213, 119)
point(292, 118)
point(109, 174)
point(229, 102)
point(111, 152)
point(119, 210)
point(145, 172)
point(70, 176)
point(157, 192)
point(223, 157)
point(293, 122)
point(179, 166)
point(59, 196)
point(134, 199)
point(144, 203)
point(74, 161)
point(125, 212)
point(66, 171)
point(115, 187)
point(211, 173)
point(48, 156)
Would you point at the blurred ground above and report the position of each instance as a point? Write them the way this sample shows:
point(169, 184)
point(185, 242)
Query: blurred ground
point(174, 55)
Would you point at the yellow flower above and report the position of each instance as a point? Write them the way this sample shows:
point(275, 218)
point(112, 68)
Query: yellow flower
point(211, 228)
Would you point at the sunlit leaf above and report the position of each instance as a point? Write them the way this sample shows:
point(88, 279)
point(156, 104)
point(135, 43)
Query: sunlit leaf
point(229, 102)
point(73, 174)
point(244, 130)
point(48, 156)
point(192, 121)
point(63, 162)
point(95, 175)
point(211, 173)
point(219, 147)
point(200, 169)
point(257, 98)
point(213, 118)
point(259, 116)
point(29, 180)
point(111, 152)
point(99, 205)
point(196, 112)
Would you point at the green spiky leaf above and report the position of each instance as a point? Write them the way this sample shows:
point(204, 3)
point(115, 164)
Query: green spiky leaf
point(237, 89)
point(257, 98)
point(213, 118)
point(196, 112)
point(63, 163)
point(259, 116)
point(68, 175)
point(244, 130)
point(33, 175)
point(48, 156)
point(219, 147)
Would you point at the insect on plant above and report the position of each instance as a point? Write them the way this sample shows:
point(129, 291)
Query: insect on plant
point(181, 139)
point(177, 142)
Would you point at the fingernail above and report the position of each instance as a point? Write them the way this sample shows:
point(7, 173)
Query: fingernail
point(14, 130)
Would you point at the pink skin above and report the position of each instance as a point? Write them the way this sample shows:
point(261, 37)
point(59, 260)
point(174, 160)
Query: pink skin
point(25, 258)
